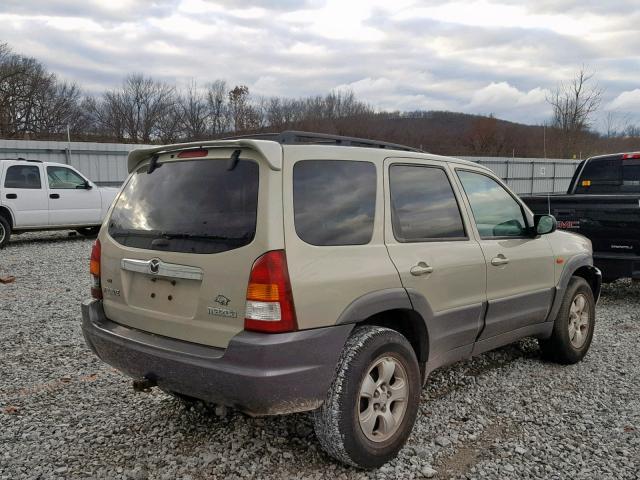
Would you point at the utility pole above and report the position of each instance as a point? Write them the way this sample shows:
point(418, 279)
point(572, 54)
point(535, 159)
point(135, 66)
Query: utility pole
point(68, 150)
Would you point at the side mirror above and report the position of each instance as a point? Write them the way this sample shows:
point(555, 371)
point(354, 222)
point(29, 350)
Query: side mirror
point(87, 185)
point(544, 224)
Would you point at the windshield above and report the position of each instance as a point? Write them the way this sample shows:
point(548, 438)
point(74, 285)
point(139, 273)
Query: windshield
point(194, 206)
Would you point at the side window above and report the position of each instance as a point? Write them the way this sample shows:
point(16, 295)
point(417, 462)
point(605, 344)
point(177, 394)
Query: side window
point(23, 176)
point(64, 178)
point(334, 201)
point(495, 211)
point(423, 205)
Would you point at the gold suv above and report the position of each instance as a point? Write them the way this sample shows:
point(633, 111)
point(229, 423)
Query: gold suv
point(306, 272)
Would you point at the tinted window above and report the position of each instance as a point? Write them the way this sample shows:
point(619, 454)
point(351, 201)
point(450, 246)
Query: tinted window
point(495, 211)
point(610, 175)
point(631, 176)
point(423, 205)
point(64, 178)
point(23, 176)
point(334, 201)
point(601, 176)
point(196, 206)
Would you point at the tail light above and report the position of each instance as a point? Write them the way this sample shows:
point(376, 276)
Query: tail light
point(270, 306)
point(94, 269)
point(631, 156)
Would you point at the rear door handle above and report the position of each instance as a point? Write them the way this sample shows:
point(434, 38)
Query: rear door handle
point(499, 260)
point(421, 269)
point(12, 196)
point(54, 195)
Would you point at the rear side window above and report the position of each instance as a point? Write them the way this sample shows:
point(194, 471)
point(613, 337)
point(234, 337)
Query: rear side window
point(334, 201)
point(23, 176)
point(423, 205)
point(193, 206)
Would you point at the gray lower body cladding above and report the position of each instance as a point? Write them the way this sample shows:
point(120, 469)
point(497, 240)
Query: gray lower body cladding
point(260, 374)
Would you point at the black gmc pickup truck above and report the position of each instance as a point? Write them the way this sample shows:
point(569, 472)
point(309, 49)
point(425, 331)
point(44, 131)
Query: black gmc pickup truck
point(603, 204)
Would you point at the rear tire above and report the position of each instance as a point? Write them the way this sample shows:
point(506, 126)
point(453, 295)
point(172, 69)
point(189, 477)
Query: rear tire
point(5, 231)
point(372, 404)
point(88, 231)
point(573, 327)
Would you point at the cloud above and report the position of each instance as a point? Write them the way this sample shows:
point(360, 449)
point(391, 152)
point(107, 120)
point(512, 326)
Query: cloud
point(288, 5)
point(481, 56)
point(505, 100)
point(581, 6)
point(98, 10)
point(626, 102)
point(398, 93)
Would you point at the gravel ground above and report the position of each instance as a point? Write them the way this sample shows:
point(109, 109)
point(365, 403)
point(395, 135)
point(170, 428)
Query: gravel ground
point(505, 414)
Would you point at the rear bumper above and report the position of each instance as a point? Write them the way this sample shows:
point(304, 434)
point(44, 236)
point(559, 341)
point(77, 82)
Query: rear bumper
point(260, 374)
point(615, 266)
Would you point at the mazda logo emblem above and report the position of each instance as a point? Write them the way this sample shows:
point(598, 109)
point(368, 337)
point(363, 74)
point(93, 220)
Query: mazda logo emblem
point(154, 265)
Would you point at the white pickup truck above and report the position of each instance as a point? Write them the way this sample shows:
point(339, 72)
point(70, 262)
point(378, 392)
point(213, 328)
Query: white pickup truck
point(38, 195)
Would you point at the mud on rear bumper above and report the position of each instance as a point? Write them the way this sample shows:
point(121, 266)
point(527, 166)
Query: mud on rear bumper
point(260, 374)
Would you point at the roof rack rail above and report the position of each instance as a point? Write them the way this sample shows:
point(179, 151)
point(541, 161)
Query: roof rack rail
point(21, 159)
point(290, 137)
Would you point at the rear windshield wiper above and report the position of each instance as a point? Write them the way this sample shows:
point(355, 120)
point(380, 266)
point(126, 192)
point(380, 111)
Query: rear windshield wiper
point(178, 236)
point(203, 236)
point(134, 233)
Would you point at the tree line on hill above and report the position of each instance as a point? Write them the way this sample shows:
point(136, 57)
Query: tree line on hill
point(36, 104)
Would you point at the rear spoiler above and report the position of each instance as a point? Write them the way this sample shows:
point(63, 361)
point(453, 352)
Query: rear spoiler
point(270, 150)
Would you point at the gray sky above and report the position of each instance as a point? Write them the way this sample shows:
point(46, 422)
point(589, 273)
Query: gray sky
point(484, 56)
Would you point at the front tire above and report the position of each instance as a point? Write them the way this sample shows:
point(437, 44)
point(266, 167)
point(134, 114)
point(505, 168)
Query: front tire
point(5, 231)
point(573, 327)
point(373, 402)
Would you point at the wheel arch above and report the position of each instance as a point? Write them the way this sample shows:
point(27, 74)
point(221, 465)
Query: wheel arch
point(8, 215)
point(391, 308)
point(593, 277)
point(580, 266)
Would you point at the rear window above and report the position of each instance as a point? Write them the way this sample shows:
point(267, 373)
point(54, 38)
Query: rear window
point(194, 206)
point(334, 201)
point(611, 175)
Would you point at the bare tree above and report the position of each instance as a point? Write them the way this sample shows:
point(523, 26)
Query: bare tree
point(194, 113)
point(632, 131)
point(109, 120)
point(486, 137)
point(244, 116)
point(57, 106)
point(137, 110)
point(574, 105)
point(34, 101)
point(615, 124)
point(217, 96)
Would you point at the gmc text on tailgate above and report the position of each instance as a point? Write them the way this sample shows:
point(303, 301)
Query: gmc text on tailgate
point(603, 204)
